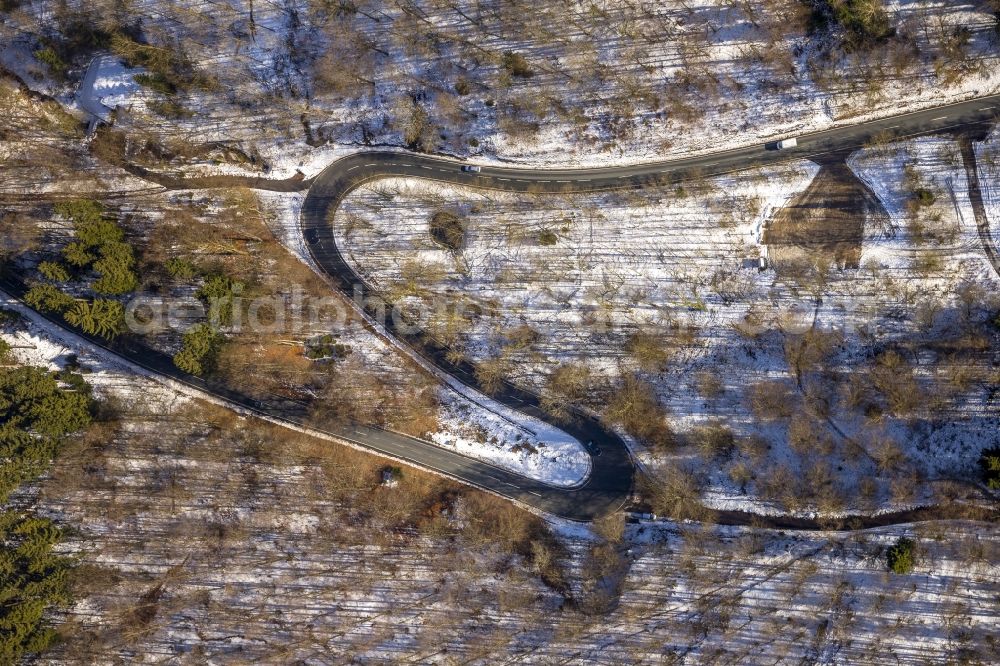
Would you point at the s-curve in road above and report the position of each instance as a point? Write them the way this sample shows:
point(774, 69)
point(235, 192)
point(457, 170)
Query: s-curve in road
point(611, 478)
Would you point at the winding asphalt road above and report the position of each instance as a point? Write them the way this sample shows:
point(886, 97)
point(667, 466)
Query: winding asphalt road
point(611, 480)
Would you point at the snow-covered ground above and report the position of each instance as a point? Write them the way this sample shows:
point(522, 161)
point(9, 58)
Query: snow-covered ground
point(772, 99)
point(242, 541)
point(988, 163)
point(933, 164)
point(258, 558)
point(577, 270)
point(283, 221)
point(510, 439)
point(259, 565)
point(630, 83)
point(471, 423)
point(696, 273)
point(17, 55)
point(108, 85)
point(583, 273)
point(741, 597)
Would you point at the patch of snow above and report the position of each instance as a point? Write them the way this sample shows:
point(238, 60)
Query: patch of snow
point(43, 345)
point(511, 440)
point(107, 85)
point(283, 221)
point(988, 165)
point(894, 173)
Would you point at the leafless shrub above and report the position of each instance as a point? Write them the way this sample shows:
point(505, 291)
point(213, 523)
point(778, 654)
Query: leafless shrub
point(772, 399)
point(801, 433)
point(903, 487)
point(611, 527)
point(868, 490)
point(566, 386)
point(713, 440)
point(448, 229)
point(855, 391)
point(754, 447)
point(709, 384)
point(807, 351)
point(636, 408)
point(780, 484)
point(520, 337)
point(491, 373)
point(886, 453)
point(893, 377)
point(674, 492)
point(740, 473)
point(649, 351)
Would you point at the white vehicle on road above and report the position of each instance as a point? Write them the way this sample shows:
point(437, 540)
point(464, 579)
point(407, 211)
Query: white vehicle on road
point(470, 168)
point(787, 143)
